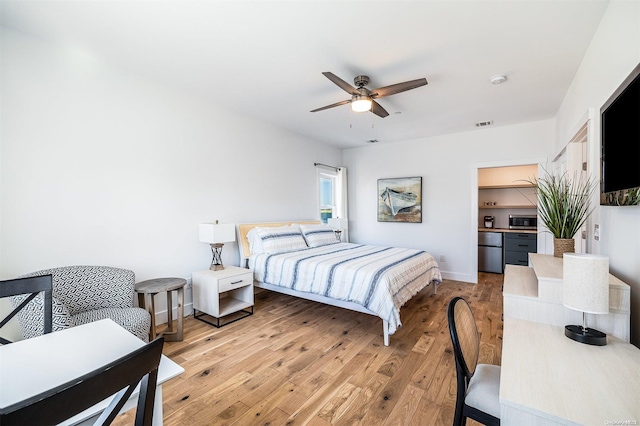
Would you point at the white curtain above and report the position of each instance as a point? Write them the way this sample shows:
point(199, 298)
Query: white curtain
point(342, 202)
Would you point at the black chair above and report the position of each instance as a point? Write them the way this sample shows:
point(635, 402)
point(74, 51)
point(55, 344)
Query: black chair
point(118, 378)
point(478, 392)
point(31, 286)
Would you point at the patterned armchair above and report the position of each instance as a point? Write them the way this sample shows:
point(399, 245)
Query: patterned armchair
point(83, 294)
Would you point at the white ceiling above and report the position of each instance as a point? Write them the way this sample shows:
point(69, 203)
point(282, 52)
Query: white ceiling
point(264, 58)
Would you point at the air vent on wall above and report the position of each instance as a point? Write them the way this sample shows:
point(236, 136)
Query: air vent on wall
point(484, 123)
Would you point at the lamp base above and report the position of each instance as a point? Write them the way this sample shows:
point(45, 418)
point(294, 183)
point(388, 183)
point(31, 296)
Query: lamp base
point(216, 262)
point(585, 335)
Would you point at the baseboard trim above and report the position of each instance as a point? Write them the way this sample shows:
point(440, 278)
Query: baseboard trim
point(467, 278)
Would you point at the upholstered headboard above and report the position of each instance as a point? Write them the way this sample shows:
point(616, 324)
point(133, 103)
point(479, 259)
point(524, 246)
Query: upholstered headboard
point(244, 228)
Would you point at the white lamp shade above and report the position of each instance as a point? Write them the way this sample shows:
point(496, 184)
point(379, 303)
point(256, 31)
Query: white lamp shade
point(338, 223)
point(361, 104)
point(213, 233)
point(586, 282)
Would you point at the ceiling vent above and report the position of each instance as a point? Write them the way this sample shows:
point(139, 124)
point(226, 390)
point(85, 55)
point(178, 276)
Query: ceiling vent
point(484, 123)
point(373, 141)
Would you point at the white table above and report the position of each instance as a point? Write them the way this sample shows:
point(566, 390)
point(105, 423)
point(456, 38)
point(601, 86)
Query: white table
point(535, 294)
point(32, 366)
point(548, 379)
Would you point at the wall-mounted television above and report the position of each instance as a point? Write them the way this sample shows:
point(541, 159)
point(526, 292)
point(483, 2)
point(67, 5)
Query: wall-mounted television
point(620, 138)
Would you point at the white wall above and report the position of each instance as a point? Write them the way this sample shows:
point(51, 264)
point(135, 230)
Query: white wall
point(612, 55)
point(448, 166)
point(101, 167)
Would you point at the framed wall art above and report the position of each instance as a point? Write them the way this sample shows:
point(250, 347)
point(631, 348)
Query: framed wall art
point(400, 200)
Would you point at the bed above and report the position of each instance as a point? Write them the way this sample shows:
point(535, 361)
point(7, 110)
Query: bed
point(304, 259)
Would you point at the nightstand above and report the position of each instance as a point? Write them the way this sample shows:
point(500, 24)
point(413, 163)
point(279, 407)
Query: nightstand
point(221, 293)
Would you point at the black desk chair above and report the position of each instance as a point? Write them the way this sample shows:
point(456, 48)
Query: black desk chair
point(118, 378)
point(31, 286)
point(478, 395)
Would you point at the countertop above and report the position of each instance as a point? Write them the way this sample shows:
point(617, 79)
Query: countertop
point(519, 231)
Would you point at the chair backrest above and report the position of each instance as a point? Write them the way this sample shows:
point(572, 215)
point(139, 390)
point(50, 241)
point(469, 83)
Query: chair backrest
point(118, 378)
point(464, 336)
point(31, 287)
point(82, 288)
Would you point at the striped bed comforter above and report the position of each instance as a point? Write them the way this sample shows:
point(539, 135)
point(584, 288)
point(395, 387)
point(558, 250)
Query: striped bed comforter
point(381, 279)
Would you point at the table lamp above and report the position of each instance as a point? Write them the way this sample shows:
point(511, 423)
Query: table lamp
point(338, 225)
point(217, 234)
point(586, 289)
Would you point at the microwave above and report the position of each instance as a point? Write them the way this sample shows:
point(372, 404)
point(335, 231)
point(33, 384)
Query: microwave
point(517, 221)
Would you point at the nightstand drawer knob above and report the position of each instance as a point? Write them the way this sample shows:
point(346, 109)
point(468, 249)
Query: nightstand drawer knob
point(236, 282)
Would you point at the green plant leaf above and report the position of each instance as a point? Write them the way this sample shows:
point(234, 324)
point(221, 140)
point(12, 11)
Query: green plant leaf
point(563, 203)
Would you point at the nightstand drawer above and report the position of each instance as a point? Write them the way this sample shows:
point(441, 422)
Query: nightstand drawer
point(237, 281)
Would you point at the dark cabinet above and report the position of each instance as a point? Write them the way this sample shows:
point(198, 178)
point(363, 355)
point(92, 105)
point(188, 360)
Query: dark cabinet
point(517, 247)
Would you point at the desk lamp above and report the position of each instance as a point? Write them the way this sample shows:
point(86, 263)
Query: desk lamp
point(338, 226)
point(217, 234)
point(586, 289)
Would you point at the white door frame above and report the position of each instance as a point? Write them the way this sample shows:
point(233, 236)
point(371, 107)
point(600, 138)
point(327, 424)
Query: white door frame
point(541, 161)
point(576, 151)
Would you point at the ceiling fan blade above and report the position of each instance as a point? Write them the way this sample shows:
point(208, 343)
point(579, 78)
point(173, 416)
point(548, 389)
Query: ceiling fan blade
point(377, 109)
point(341, 83)
point(397, 88)
point(348, 101)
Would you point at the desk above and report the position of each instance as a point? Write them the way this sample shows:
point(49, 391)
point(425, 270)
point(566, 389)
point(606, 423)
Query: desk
point(535, 294)
point(548, 379)
point(32, 366)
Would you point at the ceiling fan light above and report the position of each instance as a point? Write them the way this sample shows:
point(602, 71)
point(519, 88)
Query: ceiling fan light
point(361, 103)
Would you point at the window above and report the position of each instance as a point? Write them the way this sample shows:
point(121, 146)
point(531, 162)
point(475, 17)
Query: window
point(326, 193)
point(332, 195)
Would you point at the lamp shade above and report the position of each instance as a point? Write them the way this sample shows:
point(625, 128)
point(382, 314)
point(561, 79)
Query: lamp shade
point(361, 103)
point(586, 282)
point(338, 223)
point(215, 233)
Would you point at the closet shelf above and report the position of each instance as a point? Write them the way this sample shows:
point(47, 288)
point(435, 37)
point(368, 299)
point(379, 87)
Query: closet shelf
point(524, 185)
point(504, 206)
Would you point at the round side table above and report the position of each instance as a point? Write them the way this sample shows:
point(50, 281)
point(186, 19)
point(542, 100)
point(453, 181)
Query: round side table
point(149, 288)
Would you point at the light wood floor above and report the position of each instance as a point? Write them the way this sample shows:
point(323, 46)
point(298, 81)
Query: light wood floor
point(296, 362)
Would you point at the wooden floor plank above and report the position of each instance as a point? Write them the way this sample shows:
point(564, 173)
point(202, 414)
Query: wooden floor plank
point(297, 362)
point(339, 403)
point(305, 391)
point(403, 412)
point(391, 394)
point(355, 413)
point(267, 403)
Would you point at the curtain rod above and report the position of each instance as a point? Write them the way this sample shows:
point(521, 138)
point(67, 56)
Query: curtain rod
point(337, 169)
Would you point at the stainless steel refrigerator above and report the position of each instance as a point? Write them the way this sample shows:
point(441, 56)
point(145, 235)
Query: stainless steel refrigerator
point(490, 252)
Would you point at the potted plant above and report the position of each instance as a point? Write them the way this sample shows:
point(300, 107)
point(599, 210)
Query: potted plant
point(563, 206)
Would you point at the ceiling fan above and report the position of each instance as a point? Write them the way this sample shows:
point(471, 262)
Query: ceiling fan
point(363, 99)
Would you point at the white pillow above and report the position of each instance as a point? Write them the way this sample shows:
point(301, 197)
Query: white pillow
point(318, 235)
point(255, 242)
point(281, 239)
